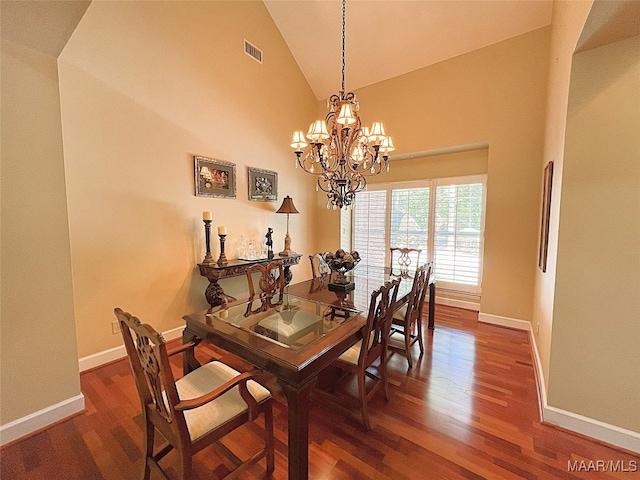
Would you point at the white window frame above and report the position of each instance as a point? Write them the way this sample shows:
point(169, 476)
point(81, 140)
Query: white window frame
point(348, 219)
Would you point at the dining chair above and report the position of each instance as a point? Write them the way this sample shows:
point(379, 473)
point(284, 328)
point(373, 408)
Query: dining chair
point(405, 259)
point(196, 410)
point(367, 353)
point(406, 321)
point(271, 286)
point(319, 266)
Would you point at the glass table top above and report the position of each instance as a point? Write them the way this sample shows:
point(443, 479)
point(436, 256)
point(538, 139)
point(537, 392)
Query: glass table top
point(294, 323)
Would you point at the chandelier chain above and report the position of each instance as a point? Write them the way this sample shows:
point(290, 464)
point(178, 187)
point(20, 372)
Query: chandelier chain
point(344, 17)
point(343, 152)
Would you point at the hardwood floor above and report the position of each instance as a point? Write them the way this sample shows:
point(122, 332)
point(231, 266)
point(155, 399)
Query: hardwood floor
point(467, 410)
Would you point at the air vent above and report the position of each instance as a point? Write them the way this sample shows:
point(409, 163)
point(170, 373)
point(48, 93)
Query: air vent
point(253, 51)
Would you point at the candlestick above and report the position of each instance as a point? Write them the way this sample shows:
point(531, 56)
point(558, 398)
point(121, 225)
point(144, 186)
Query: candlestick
point(222, 230)
point(222, 260)
point(208, 258)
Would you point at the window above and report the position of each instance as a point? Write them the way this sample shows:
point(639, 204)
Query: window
point(369, 227)
point(443, 217)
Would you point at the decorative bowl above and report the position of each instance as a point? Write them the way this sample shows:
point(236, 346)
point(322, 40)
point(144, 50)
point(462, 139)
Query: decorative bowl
point(341, 262)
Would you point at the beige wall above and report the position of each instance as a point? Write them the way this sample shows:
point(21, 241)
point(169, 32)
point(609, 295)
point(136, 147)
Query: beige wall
point(145, 86)
point(567, 21)
point(594, 363)
point(38, 356)
point(456, 164)
point(496, 96)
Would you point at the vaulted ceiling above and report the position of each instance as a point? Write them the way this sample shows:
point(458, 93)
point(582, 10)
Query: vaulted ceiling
point(387, 38)
point(384, 38)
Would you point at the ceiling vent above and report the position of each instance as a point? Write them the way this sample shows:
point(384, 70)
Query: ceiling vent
point(253, 51)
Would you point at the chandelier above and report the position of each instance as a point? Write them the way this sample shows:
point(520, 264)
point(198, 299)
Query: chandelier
point(342, 153)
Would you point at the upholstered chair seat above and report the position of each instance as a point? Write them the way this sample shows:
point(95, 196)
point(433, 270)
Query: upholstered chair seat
point(205, 379)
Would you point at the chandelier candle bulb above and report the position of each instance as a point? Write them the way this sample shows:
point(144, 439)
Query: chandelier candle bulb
point(347, 155)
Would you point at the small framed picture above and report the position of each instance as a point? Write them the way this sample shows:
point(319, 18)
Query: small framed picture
point(215, 178)
point(263, 185)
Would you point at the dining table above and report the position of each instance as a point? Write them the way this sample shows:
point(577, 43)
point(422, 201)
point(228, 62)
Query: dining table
point(309, 327)
point(294, 341)
point(363, 280)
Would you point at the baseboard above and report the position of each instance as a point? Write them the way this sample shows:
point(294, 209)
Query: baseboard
point(452, 302)
point(589, 427)
point(55, 413)
point(504, 321)
point(116, 353)
point(573, 422)
point(41, 419)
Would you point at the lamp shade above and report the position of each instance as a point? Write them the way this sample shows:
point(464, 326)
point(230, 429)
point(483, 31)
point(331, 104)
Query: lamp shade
point(298, 140)
point(377, 133)
point(387, 145)
point(318, 131)
point(345, 117)
point(287, 206)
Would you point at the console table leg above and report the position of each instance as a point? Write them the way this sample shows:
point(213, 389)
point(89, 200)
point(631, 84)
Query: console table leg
point(215, 294)
point(288, 276)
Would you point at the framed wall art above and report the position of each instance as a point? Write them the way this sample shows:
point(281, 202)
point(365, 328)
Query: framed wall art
point(546, 212)
point(263, 185)
point(215, 178)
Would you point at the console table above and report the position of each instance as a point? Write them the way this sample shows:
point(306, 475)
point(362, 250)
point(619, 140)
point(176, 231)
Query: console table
point(213, 272)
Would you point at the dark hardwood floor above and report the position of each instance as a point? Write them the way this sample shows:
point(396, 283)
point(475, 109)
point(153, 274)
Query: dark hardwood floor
point(467, 410)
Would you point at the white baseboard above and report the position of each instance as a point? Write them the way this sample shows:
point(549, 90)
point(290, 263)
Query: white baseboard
point(452, 302)
point(40, 419)
point(574, 422)
point(604, 432)
point(47, 416)
point(504, 321)
point(116, 353)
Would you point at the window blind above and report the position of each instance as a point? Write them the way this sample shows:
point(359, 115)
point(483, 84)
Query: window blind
point(369, 227)
point(458, 233)
point(442, 217)
point(410, 219)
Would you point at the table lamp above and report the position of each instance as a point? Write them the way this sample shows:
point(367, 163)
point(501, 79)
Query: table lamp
point(287, 207)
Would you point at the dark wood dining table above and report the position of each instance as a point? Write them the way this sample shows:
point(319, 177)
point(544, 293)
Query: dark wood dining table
point(294, 341)
point(366, 278)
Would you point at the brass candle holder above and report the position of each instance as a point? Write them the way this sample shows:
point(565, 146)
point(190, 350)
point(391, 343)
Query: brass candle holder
point(208, 258)
point(222, 260)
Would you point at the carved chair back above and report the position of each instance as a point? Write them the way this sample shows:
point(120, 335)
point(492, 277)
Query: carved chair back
point(319, 266)
point(204, 388)
point(407, 319)
point(147, 352)
point(376, 331)
point(403, 260)
point(365, 352)
point(271, 284)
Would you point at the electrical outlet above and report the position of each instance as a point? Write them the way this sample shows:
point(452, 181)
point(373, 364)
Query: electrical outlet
point(115, 327)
